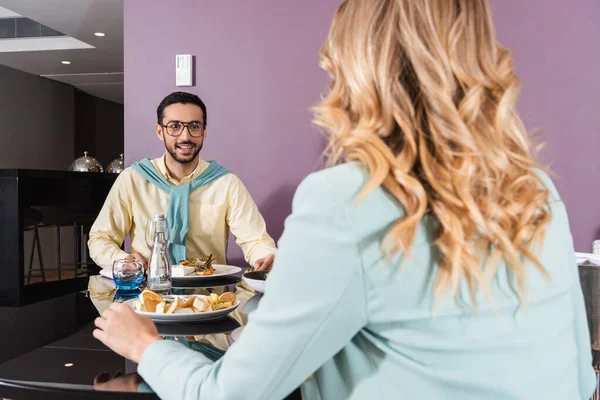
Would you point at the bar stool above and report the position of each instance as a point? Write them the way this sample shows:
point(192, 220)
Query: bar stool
point(31, 220)
point(62, 217)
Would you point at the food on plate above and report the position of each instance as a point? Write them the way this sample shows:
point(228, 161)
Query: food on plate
point(228, 297)
point(223, 301)
point(150, 295)
point(150, 305)
point(175, 305)
point(150, 300)
point(189, 302)
point(201, 304)
point(202, 266)
point(155, 303)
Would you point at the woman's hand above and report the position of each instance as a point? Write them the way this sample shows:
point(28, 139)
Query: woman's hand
point(118, 383)
point(125, 332)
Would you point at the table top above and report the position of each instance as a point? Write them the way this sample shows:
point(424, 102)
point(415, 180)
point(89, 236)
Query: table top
point(68, 367)
point(63, 369)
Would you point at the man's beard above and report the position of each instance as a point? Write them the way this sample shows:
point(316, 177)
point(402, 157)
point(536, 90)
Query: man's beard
point(173, 153)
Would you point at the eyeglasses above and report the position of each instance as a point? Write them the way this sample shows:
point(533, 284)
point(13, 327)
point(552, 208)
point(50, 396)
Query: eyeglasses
point(175, 128)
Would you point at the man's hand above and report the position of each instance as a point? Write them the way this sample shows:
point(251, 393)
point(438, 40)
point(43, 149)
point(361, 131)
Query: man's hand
point(264, 263)
point(125, 332)
point(138, 256)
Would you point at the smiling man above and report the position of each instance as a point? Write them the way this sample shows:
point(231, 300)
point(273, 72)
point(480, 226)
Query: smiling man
point(202, 200)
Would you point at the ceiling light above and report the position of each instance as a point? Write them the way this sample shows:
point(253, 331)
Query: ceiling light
point(100, 34)
point(42, 43)
point(68, 365)
point(66, 62)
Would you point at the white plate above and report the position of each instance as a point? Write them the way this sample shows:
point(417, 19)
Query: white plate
point(220, 270)
point(235, 334)
point(256, 284)
point(587, 258)
point(199, 316)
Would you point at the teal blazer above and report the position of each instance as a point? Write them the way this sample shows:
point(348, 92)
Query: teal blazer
point(345, 323)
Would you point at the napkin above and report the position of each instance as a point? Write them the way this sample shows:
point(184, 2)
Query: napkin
point(106, 272)
point(587, 258)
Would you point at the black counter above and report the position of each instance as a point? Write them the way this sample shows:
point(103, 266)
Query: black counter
point(32, 200)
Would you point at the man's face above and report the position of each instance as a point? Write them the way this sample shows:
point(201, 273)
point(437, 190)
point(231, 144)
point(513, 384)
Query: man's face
point(182, 145)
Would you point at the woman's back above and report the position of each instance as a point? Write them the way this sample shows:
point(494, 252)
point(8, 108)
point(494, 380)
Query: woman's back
point(417, 348)
point(470, 279)
point(352, 325)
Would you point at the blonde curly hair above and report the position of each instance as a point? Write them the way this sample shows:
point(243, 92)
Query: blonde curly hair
point(424, 97)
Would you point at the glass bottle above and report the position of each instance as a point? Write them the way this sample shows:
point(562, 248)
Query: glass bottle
point(159, 267)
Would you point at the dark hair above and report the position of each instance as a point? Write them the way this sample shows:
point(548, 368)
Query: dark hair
point(180, 98)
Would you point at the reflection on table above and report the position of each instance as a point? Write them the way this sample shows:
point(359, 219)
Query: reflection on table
point(80, 365)
point(63, 369)
point(77, 363)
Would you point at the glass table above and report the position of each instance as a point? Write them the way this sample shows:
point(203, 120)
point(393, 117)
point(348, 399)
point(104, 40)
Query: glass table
point(79, 366)
point(72, 367)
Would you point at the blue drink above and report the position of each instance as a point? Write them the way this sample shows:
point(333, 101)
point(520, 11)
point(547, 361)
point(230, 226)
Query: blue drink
point(128, 276)
point(128, 283)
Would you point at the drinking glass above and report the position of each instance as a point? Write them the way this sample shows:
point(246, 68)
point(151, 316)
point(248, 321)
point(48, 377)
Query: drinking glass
point(128, 275)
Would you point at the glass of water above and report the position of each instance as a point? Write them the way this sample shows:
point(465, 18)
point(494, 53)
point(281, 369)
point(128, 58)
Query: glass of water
point(128, 275)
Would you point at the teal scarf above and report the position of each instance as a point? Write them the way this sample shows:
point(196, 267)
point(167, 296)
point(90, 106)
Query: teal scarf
point(178, 212)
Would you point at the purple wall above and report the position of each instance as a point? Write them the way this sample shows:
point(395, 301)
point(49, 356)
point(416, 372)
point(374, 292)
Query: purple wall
point(558, 60)
point(256, 68)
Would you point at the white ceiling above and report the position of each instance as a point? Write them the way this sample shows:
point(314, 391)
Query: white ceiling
point(98, 70)
point(4, 13)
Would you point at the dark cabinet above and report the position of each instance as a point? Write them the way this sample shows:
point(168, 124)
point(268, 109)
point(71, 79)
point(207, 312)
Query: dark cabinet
point(45, 217)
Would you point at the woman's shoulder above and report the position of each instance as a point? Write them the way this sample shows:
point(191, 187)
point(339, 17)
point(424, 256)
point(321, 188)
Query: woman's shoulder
point(548, 183)
point(342, 182)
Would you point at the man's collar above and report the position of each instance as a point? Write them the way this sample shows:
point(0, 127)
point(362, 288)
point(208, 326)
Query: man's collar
point(161, 165)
